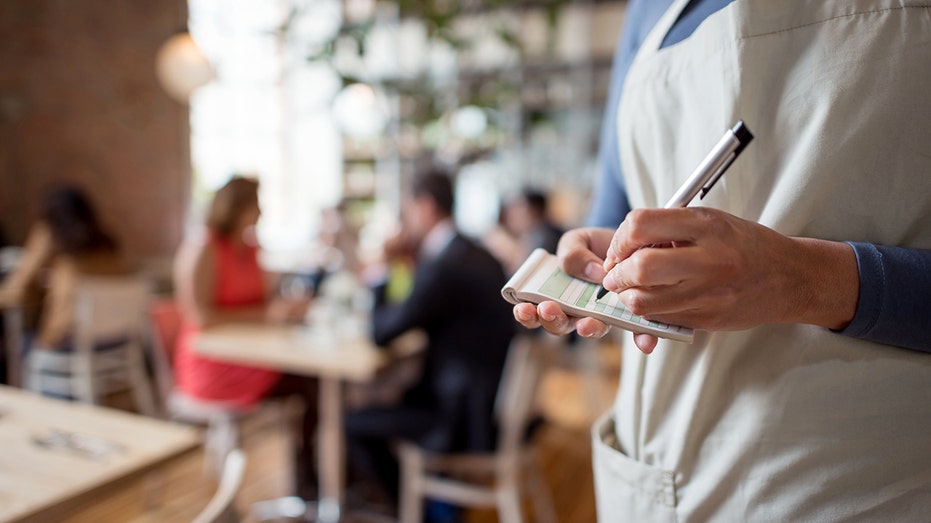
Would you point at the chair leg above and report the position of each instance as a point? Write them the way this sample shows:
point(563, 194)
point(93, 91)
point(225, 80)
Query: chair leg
point(543, 509)
point(509, 504)
point(221, 438)
point(411, 502)
point(141, 386)
point(82, 382)
point(30, 375)
point(153, 493)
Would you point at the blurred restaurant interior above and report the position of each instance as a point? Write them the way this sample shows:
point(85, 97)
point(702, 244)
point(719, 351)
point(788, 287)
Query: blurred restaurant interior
point(120, 121)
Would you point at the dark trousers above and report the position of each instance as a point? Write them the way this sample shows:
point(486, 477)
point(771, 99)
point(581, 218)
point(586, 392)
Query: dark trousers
point(370, 434)
point(303, 429)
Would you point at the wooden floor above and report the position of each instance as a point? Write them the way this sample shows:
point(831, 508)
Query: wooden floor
point(572, 394)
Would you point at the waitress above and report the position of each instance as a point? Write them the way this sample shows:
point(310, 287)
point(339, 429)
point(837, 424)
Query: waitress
point(806, 396)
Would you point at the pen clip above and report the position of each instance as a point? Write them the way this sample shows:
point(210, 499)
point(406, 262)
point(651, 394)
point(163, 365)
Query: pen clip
point(717, 175)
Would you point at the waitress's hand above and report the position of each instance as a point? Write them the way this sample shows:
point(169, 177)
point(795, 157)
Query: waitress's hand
point(581, 254)
point(726, 273)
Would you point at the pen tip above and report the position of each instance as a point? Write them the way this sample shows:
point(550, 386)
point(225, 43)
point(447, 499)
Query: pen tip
point(601, 292)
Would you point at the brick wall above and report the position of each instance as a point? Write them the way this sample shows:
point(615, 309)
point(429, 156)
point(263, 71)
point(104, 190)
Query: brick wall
point(79, 102)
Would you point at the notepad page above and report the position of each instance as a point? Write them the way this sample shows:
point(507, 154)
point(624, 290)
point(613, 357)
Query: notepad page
point(582, 294)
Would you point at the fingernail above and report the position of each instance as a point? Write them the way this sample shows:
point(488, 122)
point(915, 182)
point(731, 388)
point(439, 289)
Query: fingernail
point(610, 283)
point(594, 272)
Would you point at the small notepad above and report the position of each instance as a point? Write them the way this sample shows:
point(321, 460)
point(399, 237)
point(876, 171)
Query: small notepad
point(540, 279)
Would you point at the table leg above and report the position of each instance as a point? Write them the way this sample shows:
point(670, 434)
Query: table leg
point(330, 468)
point(331, 450)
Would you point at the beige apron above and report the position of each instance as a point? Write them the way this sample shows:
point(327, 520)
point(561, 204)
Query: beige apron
point(780, 422)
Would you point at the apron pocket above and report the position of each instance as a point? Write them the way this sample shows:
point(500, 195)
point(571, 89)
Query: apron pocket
point(625, 489)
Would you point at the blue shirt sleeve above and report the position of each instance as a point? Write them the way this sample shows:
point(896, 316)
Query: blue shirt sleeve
point(895, 296)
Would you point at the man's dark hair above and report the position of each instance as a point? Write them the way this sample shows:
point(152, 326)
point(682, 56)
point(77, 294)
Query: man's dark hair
point(536, 200)
point(437, 185)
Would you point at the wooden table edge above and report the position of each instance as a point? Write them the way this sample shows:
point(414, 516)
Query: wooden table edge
point(95, 494)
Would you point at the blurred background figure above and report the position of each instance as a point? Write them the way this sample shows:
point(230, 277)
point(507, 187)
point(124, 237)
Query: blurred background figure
point(524, 224)
point(455, 299)
point(503, 243)
point(340, 237)
point(66, 244)
point(334, 250)
point(218, 279)
point(527, 217)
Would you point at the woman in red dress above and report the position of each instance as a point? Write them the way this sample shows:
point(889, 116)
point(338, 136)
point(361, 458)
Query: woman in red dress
point(218, 280)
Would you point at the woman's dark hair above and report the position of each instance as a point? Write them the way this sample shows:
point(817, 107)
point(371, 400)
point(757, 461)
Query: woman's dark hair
point(73, 222)
point(229, 202)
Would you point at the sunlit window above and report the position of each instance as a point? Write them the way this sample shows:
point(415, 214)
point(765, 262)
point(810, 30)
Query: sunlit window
point(268, 111)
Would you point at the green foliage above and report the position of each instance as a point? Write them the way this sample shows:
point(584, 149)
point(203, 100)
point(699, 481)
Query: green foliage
point(427, 103)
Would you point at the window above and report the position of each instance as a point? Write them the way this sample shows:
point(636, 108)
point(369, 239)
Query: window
point(268, 111)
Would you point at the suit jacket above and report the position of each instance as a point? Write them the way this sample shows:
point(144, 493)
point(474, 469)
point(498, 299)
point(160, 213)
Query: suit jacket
point(456, 299)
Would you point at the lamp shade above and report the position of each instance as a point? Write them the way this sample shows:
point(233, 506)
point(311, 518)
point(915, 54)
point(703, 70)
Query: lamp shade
point(181, 67)
point(359, 111)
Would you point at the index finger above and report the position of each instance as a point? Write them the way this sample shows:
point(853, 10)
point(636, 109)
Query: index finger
point(644, 227)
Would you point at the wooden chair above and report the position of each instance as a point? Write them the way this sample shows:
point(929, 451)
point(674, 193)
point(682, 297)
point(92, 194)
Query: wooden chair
point(221, 506)
point(108, 353)
point(463, 479)
point(221, 419)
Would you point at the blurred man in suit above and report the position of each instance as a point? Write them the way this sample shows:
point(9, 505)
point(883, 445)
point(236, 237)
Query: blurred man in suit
point(455, 298)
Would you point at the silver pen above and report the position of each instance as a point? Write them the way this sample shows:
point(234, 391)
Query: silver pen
point(708, 172)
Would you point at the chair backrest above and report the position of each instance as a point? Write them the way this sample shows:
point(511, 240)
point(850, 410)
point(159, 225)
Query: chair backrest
point(109, 308)
point(164, 327)
point(218, 509)
point(9, 258)
point(517, 392)
point(165, 318)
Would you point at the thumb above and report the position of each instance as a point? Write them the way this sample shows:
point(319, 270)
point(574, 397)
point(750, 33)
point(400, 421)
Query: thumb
point(584, 264)
point(645, 342)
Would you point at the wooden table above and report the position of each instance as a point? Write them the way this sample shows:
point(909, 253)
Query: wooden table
point(334, 357)
point(45, 474)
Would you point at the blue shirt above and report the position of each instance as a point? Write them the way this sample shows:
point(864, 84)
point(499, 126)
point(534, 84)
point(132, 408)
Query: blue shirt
point(894, 306)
